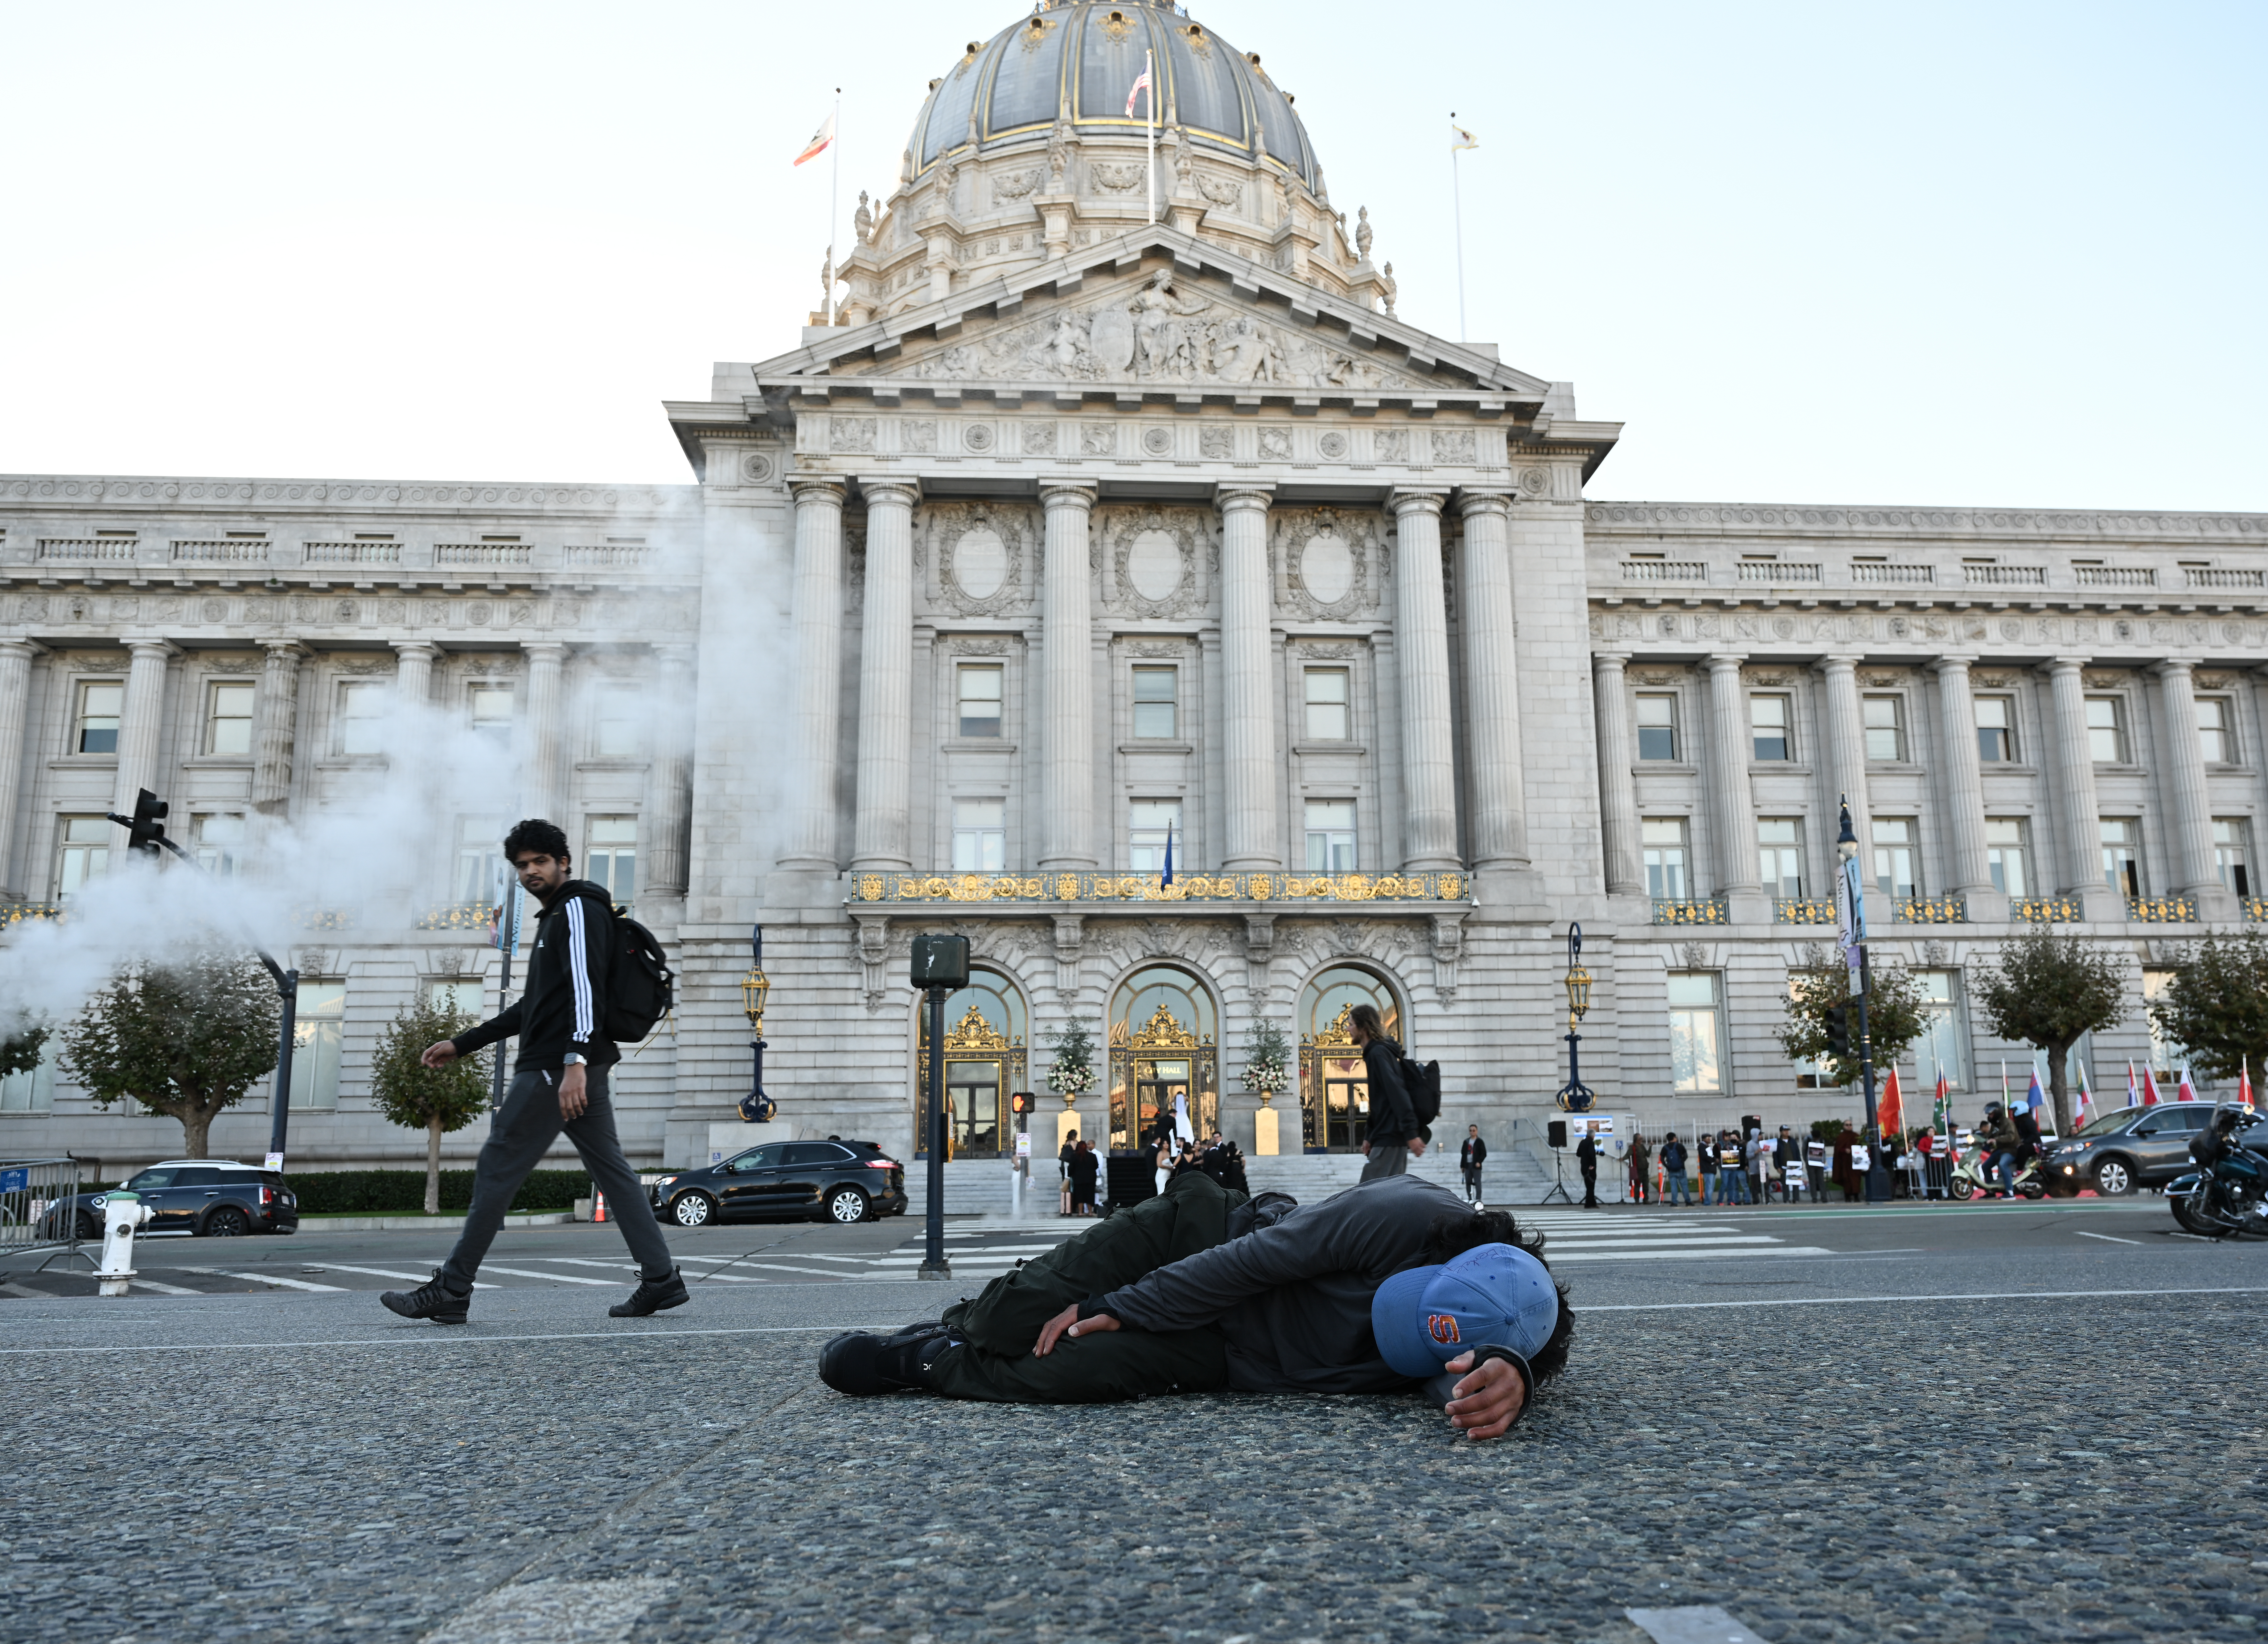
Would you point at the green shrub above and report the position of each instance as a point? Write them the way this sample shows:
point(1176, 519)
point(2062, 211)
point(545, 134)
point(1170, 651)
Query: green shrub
point(402, 1192)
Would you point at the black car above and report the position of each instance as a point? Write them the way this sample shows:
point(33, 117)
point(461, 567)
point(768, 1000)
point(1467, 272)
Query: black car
point(215, 1198)
point(2136, 1147)
point(829, 1180)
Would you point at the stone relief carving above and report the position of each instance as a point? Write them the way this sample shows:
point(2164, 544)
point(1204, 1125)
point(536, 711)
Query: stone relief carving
point(1452, 445)
point(981, 548)
point(1327, 555)
point(1535, 482)
point(1157, 648)
point(1117, 179)
point(1215, 444)
point(1317, 652)
point(1390, 445)
point(1017, 185)
point(850, 434)
point(974, 647)
point(1039, 439)
point(1098, 439)
point(1276, 445)
point(1152, 556)
point(977, 437)
point(756, 467)
point(1332, 445)
point(918, 434)
point(1158, 441)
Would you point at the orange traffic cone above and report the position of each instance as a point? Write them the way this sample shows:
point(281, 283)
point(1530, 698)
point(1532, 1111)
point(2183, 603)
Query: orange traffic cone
point(598, 1206)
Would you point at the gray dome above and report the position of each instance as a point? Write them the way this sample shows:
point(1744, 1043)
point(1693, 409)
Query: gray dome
point(1081, 56)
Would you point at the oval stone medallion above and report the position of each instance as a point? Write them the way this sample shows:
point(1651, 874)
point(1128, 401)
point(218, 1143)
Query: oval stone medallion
point(980, 563)
point(1327, 567)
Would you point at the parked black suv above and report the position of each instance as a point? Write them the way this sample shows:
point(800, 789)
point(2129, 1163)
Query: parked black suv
point(216, 1197)
point(2136, 1147)
point(831, 1181)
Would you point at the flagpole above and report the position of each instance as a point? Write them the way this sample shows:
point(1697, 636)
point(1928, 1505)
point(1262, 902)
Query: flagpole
point(1457, 208)
point(1150, 126)
point(835, 207)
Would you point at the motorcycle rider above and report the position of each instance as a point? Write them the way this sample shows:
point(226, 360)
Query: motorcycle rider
point(2003, 1147)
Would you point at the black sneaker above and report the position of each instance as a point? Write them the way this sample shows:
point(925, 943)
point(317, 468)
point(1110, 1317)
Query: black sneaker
point(432, 1300)
point(863, 1365)
point(652, 1296)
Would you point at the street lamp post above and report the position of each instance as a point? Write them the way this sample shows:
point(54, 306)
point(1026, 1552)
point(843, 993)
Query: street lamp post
point(940, 970)
point(1575, 1096)
point(757, 1107)
point(1854, 959)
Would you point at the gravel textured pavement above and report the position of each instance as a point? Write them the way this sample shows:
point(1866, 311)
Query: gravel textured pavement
point(1801, 1442)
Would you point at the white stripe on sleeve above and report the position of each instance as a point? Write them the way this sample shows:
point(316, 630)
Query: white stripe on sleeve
point(579, 967)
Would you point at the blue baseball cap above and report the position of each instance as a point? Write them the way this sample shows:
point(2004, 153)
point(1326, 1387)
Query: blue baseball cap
point(1492, 1295)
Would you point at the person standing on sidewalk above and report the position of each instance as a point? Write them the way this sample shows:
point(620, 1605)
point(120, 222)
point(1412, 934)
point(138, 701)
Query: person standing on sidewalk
point(1674, 1189)
point(1470, 1157)
point(1707, 1146)
point(1395, 1138)
point(558, 1083)
point(1587, 1161)
point(1641, 1169)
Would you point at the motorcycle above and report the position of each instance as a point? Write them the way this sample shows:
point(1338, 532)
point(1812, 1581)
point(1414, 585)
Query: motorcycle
point(2228, 1193)
point(1972, 1177)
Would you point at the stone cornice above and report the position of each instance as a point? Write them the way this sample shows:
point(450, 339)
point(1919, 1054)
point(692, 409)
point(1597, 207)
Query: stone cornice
point(1808, 521)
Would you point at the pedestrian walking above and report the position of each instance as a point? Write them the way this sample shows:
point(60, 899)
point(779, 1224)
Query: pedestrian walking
point(559, 1082)
point(1470, 1157)
point(1707, 1149)
point(1064, 1156)
point(1587, 1161)
point(1674, 1186)
point(1395, 1138)
point(1641, 1164)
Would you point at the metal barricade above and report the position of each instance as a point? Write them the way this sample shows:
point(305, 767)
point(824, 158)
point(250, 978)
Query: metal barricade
point(35, 1211)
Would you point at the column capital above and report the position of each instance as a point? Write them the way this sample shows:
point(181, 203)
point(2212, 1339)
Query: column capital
point(2056, 666)
point(816, 488)
point(1237, 494)
point(1950, 665)
point(1471, 501)
point(1405, 499)
point(1838, 662)
point(1067, 493)
point(1615, 659)
point(279, 651)
point(677, 652)
point(543, 650)
point(893, 488)
point(26, 648)
point(425, 648)
point(1721, 661)
point(2168, 667)
point(138, 645)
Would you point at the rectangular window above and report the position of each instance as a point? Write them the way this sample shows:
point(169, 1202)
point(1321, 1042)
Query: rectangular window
point(1657, 728)
point(466, 999)
point(2122, 855)
point(2008, 856)
point(1885, 729)
point(2232, 854)
point(1940, 1049)
point(1769, 721)
point(980, 836)
point(1696, 1064)
point(1148, 824)
point(316, 1036)
point(978, 686)
point(1664, 841)
point(82, 852)
point(1153, 703)
point(1327, 705)
point(362, 702)
point(228, 717)
point(1330, 835)
point(219, 841)
point(1897, 860)
point(618, 729)
point(1779, 841)
point(34, 1091)
point(1811, 1072)
point(488, 707)
point(480, 874)
point(2166, 1056)
point(2106, 730)
point(611, 858)
point(101, 701)
point(1996, 729)
point(2214, 729)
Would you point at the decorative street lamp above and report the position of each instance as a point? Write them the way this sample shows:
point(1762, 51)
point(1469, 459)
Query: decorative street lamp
point(1851, 907)
point(1575, 1096)
point(757, 1107)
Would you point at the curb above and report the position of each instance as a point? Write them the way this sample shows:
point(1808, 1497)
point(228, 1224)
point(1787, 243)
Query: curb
point(404, 1224)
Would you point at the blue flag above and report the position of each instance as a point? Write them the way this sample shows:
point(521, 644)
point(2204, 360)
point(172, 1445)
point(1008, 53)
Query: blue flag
point(1168, 877)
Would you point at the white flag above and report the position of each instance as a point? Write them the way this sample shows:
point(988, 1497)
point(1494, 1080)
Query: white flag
point(820, 139)
point(1461, 138)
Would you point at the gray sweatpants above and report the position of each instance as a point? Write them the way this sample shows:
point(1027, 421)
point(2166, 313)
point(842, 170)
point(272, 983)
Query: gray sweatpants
point(1386, 1159)
point(519, 1137)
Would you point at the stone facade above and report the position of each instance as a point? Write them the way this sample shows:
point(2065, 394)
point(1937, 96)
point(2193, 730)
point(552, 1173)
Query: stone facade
point(1080, 529)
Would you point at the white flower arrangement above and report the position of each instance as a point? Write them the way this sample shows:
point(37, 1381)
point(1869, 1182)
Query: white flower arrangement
point(1071, 1075)
point(1267, 1067)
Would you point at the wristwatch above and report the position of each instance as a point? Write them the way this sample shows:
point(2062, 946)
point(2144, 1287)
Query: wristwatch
point(574, 1059)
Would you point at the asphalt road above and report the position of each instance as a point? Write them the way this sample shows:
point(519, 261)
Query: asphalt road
point(1847, 1424)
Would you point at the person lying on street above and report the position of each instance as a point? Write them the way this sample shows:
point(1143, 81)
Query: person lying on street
point(1395, 1285)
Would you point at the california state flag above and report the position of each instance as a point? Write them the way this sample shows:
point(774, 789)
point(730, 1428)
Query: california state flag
point(820, 139)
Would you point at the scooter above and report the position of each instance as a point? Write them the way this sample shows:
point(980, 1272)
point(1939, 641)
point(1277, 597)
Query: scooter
point(2228, 1193)
point(1970, 1177)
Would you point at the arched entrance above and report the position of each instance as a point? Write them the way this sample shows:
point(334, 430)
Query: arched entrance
point(985, 1050)
point(1164, 1038)
point(1334, 1089)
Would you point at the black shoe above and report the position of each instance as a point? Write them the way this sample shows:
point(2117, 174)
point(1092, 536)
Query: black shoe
point(922, 1331)
point(863, 1365)
point(652, 1296)
point(432, 1300)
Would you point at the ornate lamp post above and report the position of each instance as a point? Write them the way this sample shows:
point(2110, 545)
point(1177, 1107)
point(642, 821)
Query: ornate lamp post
point(1575, 1096)
point(757, 1107)
point(1846, 846)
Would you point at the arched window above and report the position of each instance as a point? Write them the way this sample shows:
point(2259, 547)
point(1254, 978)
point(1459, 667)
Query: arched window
point(1164, 1055)
point(1334, 1089)
point(986, 1038)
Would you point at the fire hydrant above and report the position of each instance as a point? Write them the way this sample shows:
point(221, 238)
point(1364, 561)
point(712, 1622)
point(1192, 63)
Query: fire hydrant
point(122, 1213)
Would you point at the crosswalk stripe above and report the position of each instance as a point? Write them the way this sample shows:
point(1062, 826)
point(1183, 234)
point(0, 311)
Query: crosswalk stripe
point(165, 1290)
point(1688, 1255)
point(387, 1272)
point(263, 1278)
point(556, 1279)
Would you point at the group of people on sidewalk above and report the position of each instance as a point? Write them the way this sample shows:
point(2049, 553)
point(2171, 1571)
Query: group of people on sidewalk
point(1731, 1168)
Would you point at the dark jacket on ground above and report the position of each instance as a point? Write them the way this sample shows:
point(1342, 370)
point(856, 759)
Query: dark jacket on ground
point(1392, 1118)
point(1293, 1298)
point(563, 1006)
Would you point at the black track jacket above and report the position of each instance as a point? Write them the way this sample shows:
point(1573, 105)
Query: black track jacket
point(563, 1006)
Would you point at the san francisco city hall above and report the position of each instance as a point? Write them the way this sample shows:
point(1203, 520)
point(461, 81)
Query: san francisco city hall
point(1075, 534)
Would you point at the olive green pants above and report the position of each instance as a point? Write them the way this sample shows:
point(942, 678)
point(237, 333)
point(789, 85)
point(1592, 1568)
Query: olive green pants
point(997, 1330)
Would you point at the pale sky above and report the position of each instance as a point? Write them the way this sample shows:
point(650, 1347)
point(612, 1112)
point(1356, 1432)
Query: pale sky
point(1931, 254)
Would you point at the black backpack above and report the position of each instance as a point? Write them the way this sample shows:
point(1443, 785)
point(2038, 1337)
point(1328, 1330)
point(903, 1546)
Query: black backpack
point(641, 987)
point(1422, 1082)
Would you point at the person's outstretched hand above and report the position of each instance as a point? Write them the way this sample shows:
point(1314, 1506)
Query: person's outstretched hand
point(1068, 1323)
point(1487, 1400)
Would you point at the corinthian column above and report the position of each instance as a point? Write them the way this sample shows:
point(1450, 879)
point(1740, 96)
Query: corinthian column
point(1961, 788)
point(2079, 823)
point(1845, 737)
point(277, 727)
point(1066, 637)
point(1248, 728)
point(543, 758)
point(665, 853)
point(413, 678)
point(1499, 787)
point(1617, 789)
point(817, 607)
point(15, 700)
point(1421, 633)
point(141, 722)
point(1729, 747)
point(886, 679)
point(2186, 798)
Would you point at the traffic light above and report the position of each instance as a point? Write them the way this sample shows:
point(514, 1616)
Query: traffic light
point(1020, 1102)
point(146, 830)
point(1839, 1033)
